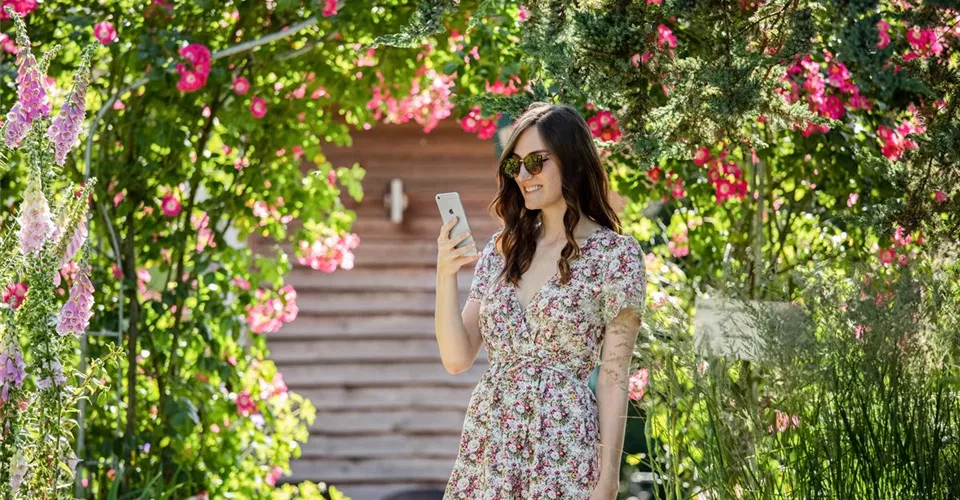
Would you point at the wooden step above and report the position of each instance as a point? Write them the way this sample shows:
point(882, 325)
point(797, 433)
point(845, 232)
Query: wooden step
point(419, 208)
point(306, 280)
point(379, 254)
point(359, 491)
point(368, 325)
point(378, 375)
point(482, 170)
point(396, 446)
point(369, 350)
point(424, 397)
point(337, 303)
point(365, 423)
point(418, 192)
point(371, 471)
point(385, 491)
point(419, 228)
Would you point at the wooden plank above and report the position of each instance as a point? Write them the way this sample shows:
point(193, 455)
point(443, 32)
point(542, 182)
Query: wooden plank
point(382, 491)
point(471, 194)
point(368, 325)
point(436, 422)
point(424, 397)
point(307, 280)
point(378, 254)
point(327, 350)
point(372, 471)
point(378, 374)
point(422, 228)
point(320, 303)
point(396, 446)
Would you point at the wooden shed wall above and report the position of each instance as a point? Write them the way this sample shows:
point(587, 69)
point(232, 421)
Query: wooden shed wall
point(363, 347)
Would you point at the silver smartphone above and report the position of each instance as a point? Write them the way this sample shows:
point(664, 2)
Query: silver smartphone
point(450, 207)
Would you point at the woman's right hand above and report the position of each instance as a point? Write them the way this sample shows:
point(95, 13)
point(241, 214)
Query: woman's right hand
point(450, 259)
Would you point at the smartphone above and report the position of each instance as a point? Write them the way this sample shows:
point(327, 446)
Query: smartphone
point(450, 207)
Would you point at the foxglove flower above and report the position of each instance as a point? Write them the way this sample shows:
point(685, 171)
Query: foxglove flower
point(32, 102)
point(12, 369)
point(55, 377)
point(79, 236)
point(75, 316)
point(36, 223)
point(65, 128)
point(18, 470)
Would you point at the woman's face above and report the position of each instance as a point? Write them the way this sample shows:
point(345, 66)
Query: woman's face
point(543, 189)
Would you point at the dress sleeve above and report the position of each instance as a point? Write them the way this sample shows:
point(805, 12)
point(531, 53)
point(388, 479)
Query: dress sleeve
point(485, 270)
point(624, 281)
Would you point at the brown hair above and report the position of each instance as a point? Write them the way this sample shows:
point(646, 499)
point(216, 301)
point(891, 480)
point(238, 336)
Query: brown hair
point(584, 187)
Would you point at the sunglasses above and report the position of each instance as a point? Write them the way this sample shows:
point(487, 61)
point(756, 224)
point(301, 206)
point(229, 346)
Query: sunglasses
point(533, 163)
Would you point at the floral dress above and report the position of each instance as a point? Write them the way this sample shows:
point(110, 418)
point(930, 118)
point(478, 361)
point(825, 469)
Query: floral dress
point(531, 430)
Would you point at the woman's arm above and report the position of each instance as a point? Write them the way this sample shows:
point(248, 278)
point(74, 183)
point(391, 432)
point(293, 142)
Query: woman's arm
point(458, 333)
point(612, 387)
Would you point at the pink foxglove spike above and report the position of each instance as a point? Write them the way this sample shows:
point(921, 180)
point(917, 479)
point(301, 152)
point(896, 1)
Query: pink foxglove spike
point(75, 316)
point(32, 102)
point(36, 223)
point(79, 236)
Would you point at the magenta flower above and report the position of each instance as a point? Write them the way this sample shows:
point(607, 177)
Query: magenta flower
point(241, 85)
point(36, 224)
point(105, 32)
point(32, 102)
point(886, 256)
point(170, 206)
point(196, 54)
point(12, 368)
point(190, 81)
point(258, 107)
point(75, 316)
point(638, 384)
point(245, 404)
point(329, 8)
point(523, 15)
point(883, 27)
point(665, 36)
point(193, 76)
point(14, 294)
point(9, 46)
point(22, 7)
point(940, 196)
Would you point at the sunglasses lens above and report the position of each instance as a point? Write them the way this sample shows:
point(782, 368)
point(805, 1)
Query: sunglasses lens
point(511, 166)
point(534, 164)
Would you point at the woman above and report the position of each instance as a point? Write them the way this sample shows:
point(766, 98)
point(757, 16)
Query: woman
point(553, 291)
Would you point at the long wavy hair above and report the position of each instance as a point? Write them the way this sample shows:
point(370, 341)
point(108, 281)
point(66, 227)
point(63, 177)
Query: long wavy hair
point(584, 187)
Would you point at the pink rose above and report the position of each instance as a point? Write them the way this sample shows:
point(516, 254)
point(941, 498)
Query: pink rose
point(258, 107)
point(105, 32)
point(241, 85)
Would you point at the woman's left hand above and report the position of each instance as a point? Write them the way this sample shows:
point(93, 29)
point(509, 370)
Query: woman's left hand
point(605, 491)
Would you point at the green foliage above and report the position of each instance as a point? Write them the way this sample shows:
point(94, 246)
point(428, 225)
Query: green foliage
point(852, 393)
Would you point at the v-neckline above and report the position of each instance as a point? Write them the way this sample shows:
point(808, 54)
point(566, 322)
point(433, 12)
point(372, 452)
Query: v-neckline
point(516, 297)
